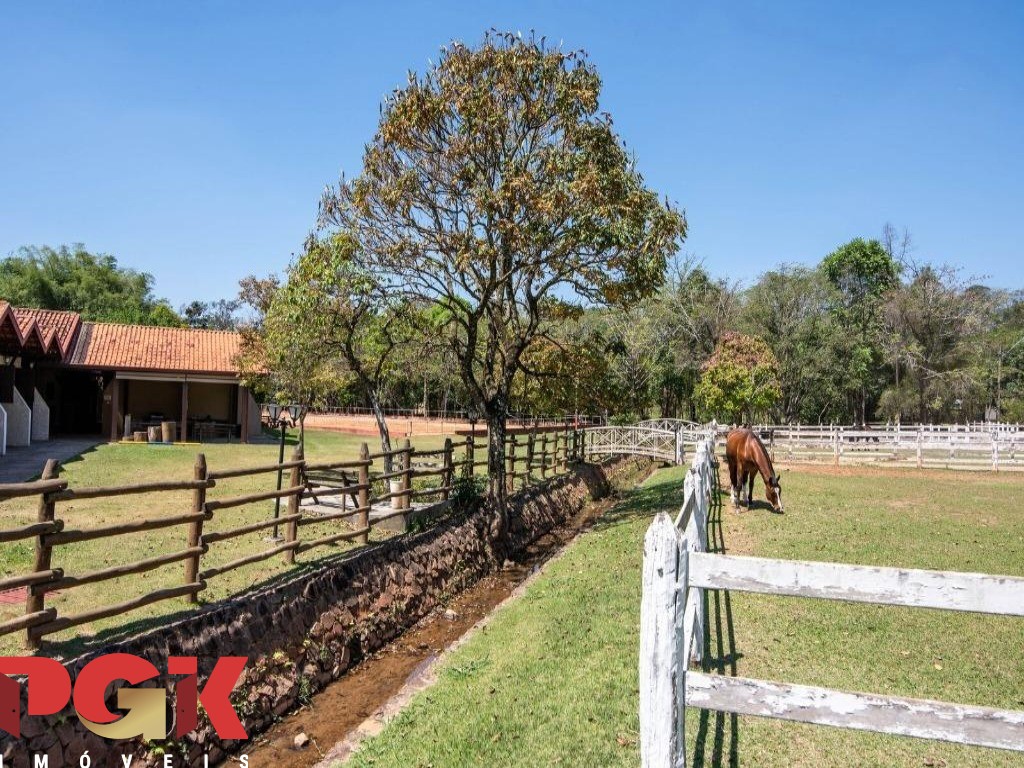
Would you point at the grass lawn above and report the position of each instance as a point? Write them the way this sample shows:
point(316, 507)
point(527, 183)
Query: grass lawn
point(553, 679)
point(126, 463)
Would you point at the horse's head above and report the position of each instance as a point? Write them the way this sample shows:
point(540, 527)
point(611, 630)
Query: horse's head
point(773, 491)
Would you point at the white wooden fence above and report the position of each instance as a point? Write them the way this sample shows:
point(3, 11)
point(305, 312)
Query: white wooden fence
point(950, 446)
point(677, 568)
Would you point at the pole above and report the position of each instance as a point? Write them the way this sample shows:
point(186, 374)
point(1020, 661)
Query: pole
point(280, 477)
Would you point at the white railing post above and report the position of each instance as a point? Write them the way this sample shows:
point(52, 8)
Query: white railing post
point(662, 666)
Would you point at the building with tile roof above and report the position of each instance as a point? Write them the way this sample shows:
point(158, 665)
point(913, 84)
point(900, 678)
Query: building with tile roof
point(113, 379)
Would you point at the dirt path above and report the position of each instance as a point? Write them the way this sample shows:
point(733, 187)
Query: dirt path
point(345, 704)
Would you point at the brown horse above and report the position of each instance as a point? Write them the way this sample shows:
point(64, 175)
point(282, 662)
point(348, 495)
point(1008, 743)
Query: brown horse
point(747, 457)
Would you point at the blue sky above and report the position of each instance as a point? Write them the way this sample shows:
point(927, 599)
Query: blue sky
point(192, 140)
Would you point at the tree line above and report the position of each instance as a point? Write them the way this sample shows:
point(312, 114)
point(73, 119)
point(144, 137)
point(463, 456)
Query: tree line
point(75, 279)
point(869, 334)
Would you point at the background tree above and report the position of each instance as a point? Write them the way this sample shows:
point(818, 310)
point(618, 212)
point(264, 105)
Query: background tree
point(330, 316)
point(789, 309)
point(497, 191)
point(740, 380)
point(862, 272)
point(939, 319)
point(72, 278)
point(219, 315)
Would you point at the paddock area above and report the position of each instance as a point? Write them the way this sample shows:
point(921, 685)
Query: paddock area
point(497, 701)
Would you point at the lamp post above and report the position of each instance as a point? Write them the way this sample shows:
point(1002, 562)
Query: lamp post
point(282, 416)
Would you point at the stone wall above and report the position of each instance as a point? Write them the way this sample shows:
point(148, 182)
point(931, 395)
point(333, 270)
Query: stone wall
point(303, 633)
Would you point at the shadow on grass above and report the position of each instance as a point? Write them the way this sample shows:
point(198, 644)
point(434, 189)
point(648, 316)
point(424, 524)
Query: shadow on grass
point(720, 656)
point(643, 502)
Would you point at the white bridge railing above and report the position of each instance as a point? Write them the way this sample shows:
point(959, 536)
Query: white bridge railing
point(677, 569)
point(654, 443)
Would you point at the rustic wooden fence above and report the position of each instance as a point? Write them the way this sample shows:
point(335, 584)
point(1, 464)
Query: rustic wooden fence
point(373, 489)
point(678, 568)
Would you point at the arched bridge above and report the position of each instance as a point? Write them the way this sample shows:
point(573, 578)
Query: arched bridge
point(649, 438)
point(661, 444)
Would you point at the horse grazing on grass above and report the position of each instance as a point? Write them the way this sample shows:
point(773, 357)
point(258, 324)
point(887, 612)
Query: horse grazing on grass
point(747, 457)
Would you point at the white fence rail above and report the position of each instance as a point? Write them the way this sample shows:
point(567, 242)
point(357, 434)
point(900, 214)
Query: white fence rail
point(948, 446)
point(677, 568)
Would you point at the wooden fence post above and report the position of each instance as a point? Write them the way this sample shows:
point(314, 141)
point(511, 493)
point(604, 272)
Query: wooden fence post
point(565, 448)
point(291, 530)
point(446, 478)
point(662, 668)
point(363, 518)
point(195, 529)
point(543, 456)
point(470, 456)
point(407, 474)
point(920, 439)
point(510, 472)
point(35, 601)
point(531, 443)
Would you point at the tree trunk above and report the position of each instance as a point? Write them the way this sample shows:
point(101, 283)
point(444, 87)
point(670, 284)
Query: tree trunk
point(497, 496)
point(382, 428)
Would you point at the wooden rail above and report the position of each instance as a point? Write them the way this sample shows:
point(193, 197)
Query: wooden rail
point(677, 568)
point(427, 476)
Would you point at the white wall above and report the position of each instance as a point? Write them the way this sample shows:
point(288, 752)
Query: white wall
point(19, 421)
point(255, 422)
point(40, 419)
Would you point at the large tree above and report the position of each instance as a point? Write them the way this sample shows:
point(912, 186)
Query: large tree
point(789, 308)
point(329, 318)
point(740, 380)
point(72, 278)
point(862, 272)
point(940, 320)
point(497, 190)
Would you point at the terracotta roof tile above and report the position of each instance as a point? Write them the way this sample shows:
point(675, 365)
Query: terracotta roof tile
point(61, 323)
point(145, 348)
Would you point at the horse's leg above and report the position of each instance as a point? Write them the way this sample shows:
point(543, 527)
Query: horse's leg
point(750, 489)
point(734, 480)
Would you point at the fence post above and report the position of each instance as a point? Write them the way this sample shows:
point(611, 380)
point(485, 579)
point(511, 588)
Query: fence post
point(531, 445)
point(363, 518)
point(35, 601)
point(407, 474)
point(543, 456)
point(920, 439)
point(995, 452)
point(679, 447)
point(195, 529)
point(448, 475)
point(565, 448)
point(662, 668)
point(510, 472)
point(291, 530)
point(470, 470)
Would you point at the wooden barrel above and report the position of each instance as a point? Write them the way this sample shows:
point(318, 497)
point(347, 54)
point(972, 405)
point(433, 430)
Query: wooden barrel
point(154, 434)
point(140, 437)
point(167, 430)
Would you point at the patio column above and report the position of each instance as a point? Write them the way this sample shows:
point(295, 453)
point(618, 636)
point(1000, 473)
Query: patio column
point(115, 408)
point(243, 411)
point(183, 433)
